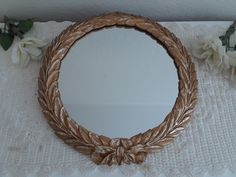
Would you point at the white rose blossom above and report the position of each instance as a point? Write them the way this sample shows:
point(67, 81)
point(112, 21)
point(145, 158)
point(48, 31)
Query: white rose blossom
point(232, 62)
point(232, 58)
point(27, 49)
point(214, 53)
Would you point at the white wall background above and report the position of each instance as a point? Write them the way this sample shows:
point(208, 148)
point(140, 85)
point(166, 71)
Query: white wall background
point(161, 10)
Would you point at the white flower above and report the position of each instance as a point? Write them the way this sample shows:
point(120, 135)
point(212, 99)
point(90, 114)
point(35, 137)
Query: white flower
point(211, 50)
point(232, 62)
point(232, 58)
point(26, 49)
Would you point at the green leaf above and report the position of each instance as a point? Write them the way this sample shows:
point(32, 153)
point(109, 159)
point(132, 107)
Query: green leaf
point(235, 47)
point(6, 40)
point(223, 40)
point(230, 31)
point(25, 25)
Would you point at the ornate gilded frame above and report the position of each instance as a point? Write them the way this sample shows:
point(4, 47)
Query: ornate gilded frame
point(102, 149)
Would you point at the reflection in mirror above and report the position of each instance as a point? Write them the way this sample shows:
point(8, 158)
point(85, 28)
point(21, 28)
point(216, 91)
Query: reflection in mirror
point(118, 82)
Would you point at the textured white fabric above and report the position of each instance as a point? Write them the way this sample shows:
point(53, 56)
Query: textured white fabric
point(28, 145)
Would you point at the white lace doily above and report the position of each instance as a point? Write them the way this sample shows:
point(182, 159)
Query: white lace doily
point(29, 146)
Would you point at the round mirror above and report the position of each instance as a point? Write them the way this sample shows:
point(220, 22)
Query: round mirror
point(109, 88)
point(118, 82)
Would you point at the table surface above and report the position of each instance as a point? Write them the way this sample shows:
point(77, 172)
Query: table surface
point(27, 79)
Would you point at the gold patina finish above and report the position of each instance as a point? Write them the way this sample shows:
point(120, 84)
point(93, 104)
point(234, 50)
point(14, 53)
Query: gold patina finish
point(102, 149)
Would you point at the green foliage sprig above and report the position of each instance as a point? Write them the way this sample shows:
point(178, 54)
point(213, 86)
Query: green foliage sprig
point(13, 28)
point(225, 39)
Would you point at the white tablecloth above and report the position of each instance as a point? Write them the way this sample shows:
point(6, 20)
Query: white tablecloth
point(28, 145)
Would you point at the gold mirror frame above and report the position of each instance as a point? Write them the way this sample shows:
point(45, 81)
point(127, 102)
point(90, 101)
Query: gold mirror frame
point(102, 149)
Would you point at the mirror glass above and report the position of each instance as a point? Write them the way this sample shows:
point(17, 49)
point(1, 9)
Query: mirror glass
point(118, 82)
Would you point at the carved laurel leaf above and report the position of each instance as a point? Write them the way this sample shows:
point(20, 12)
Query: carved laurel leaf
point(102, 149)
